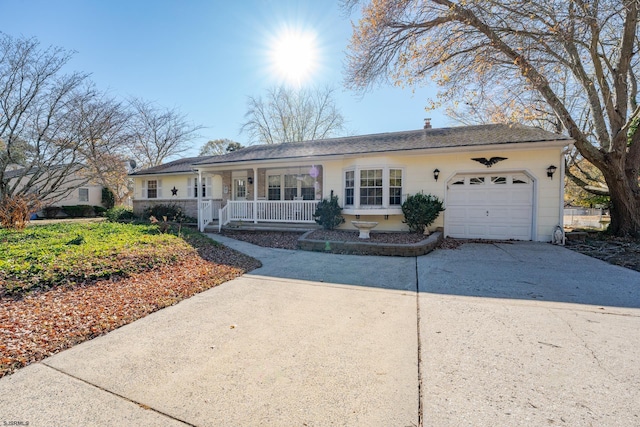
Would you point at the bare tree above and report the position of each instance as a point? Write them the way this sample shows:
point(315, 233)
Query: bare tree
point(103, 123)
point(566, 53)
point(287, 115)
point(158, 133)
point(217, 147)
point(39, 139)
point(510, 105)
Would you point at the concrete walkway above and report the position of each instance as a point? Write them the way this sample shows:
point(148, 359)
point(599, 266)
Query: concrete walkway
point(522, 334)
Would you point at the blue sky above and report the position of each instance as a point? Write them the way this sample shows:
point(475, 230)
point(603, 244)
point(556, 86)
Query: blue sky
point(206, 57)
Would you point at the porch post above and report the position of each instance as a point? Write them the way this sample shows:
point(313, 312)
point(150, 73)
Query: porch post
point(255, 195)
point(198, 189)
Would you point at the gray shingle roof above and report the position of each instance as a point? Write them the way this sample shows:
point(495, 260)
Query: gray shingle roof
point(177, 166)
point(30, 170)
point(421, 139)
point(465, 136)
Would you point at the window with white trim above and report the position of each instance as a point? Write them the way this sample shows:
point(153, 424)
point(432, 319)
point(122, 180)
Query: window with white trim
point(395, 187)
point(291, 187)
point(373, 188)
point(193, 188)
point(83, 194)
point(152, 189)
point(273, 193)
point(203, 187)
point(349, 187)
point(307, 188)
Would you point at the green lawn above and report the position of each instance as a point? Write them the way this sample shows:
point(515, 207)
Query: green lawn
point(46, 256)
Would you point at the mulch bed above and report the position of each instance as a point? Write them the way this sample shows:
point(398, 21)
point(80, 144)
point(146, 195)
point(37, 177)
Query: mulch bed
point(266, 239)
point(352, 236)
point(289, 239)
point(43, 323)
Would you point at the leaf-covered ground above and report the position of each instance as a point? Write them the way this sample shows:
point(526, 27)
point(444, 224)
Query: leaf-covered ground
point(38, 320)
point(624, 252)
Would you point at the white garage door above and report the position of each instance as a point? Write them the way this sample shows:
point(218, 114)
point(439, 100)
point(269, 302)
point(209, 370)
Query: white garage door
point(491, 206)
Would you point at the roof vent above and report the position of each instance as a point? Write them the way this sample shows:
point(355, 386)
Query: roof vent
point(427, 123)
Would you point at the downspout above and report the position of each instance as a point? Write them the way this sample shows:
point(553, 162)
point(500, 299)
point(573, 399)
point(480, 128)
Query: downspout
point(255, 195)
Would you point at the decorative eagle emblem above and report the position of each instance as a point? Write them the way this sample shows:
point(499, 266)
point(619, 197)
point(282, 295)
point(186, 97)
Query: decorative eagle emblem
point(488, 163)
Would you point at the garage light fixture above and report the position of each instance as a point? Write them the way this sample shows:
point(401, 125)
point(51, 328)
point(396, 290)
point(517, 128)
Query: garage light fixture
point(250, 179)
point(436, 174)
point(550, 171)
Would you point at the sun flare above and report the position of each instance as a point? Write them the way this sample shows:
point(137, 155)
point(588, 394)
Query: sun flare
point(294, 56)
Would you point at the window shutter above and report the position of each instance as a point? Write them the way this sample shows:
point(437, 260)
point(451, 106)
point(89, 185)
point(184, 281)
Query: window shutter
point(208, 186)
point(159, 189)
point(190, 187)
point(143, 194)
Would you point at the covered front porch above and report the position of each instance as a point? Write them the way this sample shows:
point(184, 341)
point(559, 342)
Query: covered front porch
point(274, 194)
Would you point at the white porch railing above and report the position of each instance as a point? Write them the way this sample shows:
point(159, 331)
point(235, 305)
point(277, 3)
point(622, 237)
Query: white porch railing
point(223, 217)
point(298, 211)
point(208, 211)
point(292, 211)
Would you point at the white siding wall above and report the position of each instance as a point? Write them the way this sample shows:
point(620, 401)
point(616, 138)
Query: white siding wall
point(182, 182)
point(419, 177)
point(95, 197)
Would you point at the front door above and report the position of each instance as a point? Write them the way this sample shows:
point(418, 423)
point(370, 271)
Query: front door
point(241, 210)
point(239, 189)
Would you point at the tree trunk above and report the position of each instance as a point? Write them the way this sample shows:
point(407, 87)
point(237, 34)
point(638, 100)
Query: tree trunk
point(625, 204)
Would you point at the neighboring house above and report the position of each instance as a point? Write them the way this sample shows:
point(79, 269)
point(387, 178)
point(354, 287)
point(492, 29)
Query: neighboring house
point(72, 189)
point(497, 181)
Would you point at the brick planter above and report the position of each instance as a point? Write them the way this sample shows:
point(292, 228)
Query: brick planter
point(368, 248)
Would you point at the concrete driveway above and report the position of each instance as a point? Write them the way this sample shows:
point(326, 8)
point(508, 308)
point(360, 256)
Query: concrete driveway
point(528, 334)
point(522, 334)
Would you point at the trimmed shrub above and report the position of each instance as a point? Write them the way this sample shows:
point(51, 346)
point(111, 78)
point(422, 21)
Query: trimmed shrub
point(120, 213)
point(328, 213)
point(51, 211)
point(99, 210)
point(172, 212)
point(79, 211)
point(108, 198)
point(420, 211)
